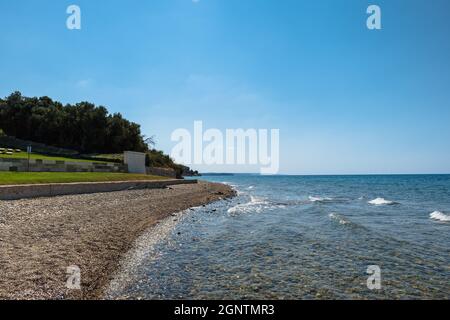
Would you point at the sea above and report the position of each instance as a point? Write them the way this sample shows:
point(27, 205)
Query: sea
point(306, 237)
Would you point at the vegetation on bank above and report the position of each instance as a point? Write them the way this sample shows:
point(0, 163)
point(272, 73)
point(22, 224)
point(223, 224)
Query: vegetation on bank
point(82, 126)
point(15, 178)
point(80, 131)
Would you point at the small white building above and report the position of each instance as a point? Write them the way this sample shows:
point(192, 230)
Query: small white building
point(135, 161)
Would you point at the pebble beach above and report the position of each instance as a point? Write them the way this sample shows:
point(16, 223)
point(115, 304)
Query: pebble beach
point(40, 238)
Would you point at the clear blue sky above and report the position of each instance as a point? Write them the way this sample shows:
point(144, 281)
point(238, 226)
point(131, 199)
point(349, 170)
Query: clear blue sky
point(346, 99)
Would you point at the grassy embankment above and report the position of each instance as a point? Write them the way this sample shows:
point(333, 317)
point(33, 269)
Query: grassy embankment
point(15, 178)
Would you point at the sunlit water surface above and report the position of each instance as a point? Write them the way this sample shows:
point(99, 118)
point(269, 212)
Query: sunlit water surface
point(296, 237)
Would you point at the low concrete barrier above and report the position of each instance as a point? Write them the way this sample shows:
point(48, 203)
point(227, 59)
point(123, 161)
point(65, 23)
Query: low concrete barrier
point(58, 189)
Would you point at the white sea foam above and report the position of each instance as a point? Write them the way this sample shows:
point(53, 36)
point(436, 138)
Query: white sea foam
point(339, 218)
point(256, 204)
point(234, 187)
point(437, 215)
point(319, 199)
point(230, 184)
point(381, 202)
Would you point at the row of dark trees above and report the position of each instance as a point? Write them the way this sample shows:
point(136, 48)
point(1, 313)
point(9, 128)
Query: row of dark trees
point(83, 126)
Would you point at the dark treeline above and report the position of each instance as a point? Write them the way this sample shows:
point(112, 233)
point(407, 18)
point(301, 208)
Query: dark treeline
point(83, 127)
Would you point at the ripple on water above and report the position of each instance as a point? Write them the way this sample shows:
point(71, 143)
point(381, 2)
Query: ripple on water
point(261, 245)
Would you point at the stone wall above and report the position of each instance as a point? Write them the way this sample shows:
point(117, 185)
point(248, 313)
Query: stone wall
point(164, 172)
point(37, 165)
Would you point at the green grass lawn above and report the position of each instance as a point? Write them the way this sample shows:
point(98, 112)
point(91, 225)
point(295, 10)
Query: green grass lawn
point(24, 155)
point(13, 178)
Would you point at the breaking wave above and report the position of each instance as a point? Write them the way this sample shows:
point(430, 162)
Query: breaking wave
point(344, 221)
point(339, 218)
point(381, 202)
point(255, 205)
point(437, 215)
point(319, 199)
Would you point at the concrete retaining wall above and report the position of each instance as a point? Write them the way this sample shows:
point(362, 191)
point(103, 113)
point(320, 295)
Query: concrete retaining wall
point(58, 189)
point(37, 165)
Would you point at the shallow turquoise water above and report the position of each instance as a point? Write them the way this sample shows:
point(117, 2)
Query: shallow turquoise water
point(296, 237)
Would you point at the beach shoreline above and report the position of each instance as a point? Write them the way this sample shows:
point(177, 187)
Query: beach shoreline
point(41, 238)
